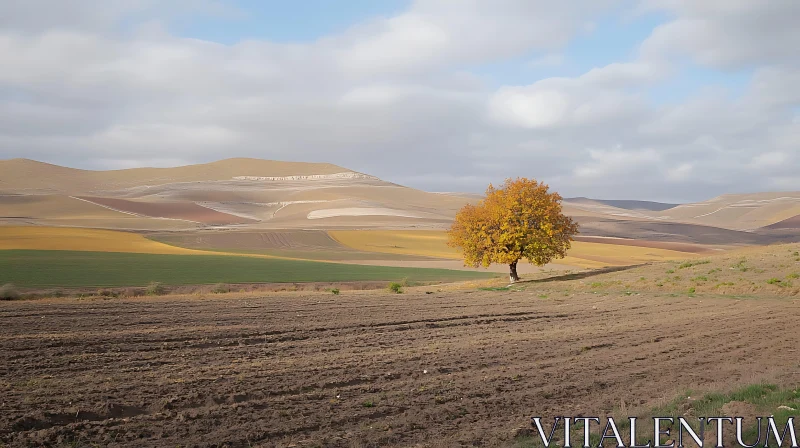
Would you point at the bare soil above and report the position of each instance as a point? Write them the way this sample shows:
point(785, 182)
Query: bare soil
point(196, 290)
point(790, 223)
point(187, 211)
point(368, 369)
point(679, 232)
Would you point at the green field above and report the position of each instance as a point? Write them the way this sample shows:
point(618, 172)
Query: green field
point(45, 268)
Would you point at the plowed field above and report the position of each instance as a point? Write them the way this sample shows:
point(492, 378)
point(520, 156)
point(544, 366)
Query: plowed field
point(367, 369)
point(790, 223)
point(187, 211)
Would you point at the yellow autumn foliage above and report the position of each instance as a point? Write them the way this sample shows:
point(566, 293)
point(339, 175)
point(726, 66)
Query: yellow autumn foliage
point(520, 220)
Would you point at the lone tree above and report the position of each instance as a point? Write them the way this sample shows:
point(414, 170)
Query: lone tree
point(520, 220)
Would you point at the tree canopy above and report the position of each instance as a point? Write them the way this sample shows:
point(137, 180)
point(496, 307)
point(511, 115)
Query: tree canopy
point(520, 220)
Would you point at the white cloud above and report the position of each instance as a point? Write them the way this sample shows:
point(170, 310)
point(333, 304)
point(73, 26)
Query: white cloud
point(109, 86)
point(591, 99)
point(372, 96)
point(529, 108)
point(680, 172)
point(769, 160)
point(438, 33)
point(407, 42)
point(169, 138)
point(728, 33)
point(615, 162)
point(626, 74)
point(32, 16)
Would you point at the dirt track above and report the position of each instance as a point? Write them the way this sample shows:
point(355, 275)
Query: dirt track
point(350, 370)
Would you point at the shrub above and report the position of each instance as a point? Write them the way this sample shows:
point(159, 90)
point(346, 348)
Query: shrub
point(741, 265)
point(220, 288)
point(395, 287)
point(692, 290)
point(689, 264)
point(794, 275)
point(773, 281)
point(700, 278)
point(494, 288)
point(9, 292)
point(335, 291)
point(155, 289)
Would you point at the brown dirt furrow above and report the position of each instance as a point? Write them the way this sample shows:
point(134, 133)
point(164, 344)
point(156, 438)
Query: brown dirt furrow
point(186, 211)
point(367, 369)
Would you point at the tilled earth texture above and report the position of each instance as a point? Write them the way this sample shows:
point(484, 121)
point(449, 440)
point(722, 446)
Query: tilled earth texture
point(367, 369)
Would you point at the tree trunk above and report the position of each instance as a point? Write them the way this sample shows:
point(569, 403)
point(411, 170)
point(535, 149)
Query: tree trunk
point(514, 276)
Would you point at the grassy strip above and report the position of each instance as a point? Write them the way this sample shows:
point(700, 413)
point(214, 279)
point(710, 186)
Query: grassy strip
point(43, 268)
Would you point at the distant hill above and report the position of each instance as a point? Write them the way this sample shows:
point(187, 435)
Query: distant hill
point(254, 194)
point(738, 211)
point(625, 204)
point(232, 192)
point(29, 176)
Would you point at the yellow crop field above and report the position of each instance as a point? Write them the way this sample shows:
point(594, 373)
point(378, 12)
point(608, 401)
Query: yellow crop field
point(427, 243)
point(94, 240)
point(434, 244)
point(407, 242)
point(600, 254)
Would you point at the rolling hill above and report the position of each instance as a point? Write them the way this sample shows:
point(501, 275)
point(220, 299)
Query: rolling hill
point(232, 192)
point(245, 205)
point(738, 211)
point(25, 176)
point(623, 204)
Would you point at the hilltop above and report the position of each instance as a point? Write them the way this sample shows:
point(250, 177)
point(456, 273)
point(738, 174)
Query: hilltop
point(25, 176)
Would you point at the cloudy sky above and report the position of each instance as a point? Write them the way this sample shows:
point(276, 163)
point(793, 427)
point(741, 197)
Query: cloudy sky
point(672, 100)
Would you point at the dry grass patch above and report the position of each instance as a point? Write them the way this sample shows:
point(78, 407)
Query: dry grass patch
point(745, 273)
point(408, 242)
point(74, 239)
